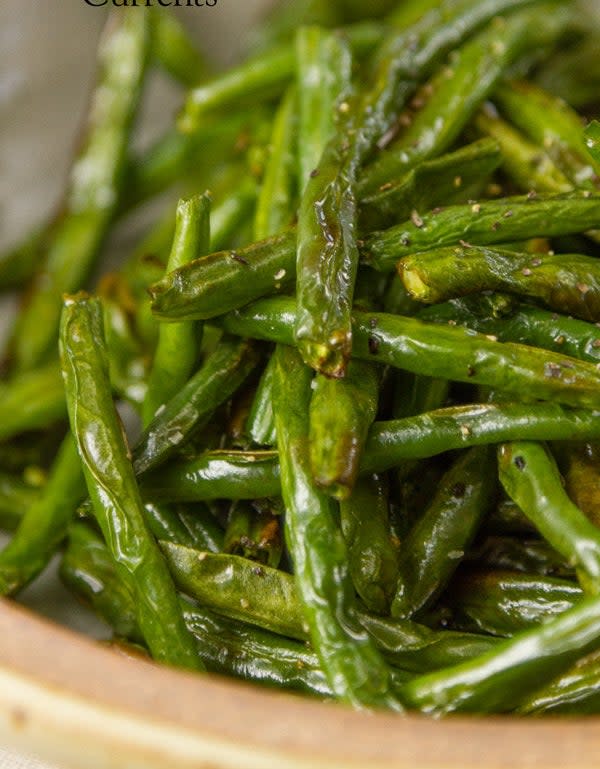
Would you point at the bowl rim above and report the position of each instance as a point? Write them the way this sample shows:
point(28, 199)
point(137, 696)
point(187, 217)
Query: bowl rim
point(68, 698)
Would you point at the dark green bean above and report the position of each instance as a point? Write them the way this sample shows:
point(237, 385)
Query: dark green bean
point(237, 587)
point(576, 691)
point(326, 261)
point(525, 324)
point(439, 351)
point(250, 475)
point(506, 602)
point(219, 377)
point(530, 477)
point(372, 555)
point(500, 679)
point(436, 544)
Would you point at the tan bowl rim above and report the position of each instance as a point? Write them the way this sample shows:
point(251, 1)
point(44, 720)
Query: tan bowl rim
point(70, 699)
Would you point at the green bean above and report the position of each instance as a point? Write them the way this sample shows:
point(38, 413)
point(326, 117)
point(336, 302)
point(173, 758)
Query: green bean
point(457, 90)
point(219, 377)
point(452, 178)
point(530, 477)
point(340, 414)
point(164, 523)
point(436, 544)
point(216, 475)
point(552, 124)
point(274, 204)
point(176, 351)
point(112, 486)
point(353, 666)
point(225, 280)
point(175, 51)
point(532, 556)
point(524, 324)
point(481, 224)
point(575, 691)
point(523, 161)
point(438, 351)
point(506, 602)
point(326, 269)
point(93, 189)
point(372, 556)
point(261, 420)
point(31, 400)
point(253, 534)
point(237, 587)
point(566, 282)
point(44, 524)
point(250, 475)
point(255, 655)
point(416, 648)
point(498, 680)
point(322, 73)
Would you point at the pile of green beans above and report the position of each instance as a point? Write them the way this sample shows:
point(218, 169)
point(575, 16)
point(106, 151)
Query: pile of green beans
point(359, 352)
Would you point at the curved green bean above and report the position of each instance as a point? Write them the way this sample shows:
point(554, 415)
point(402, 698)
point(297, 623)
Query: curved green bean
point(176, 351)
point(530, 477)
point(111, 483)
